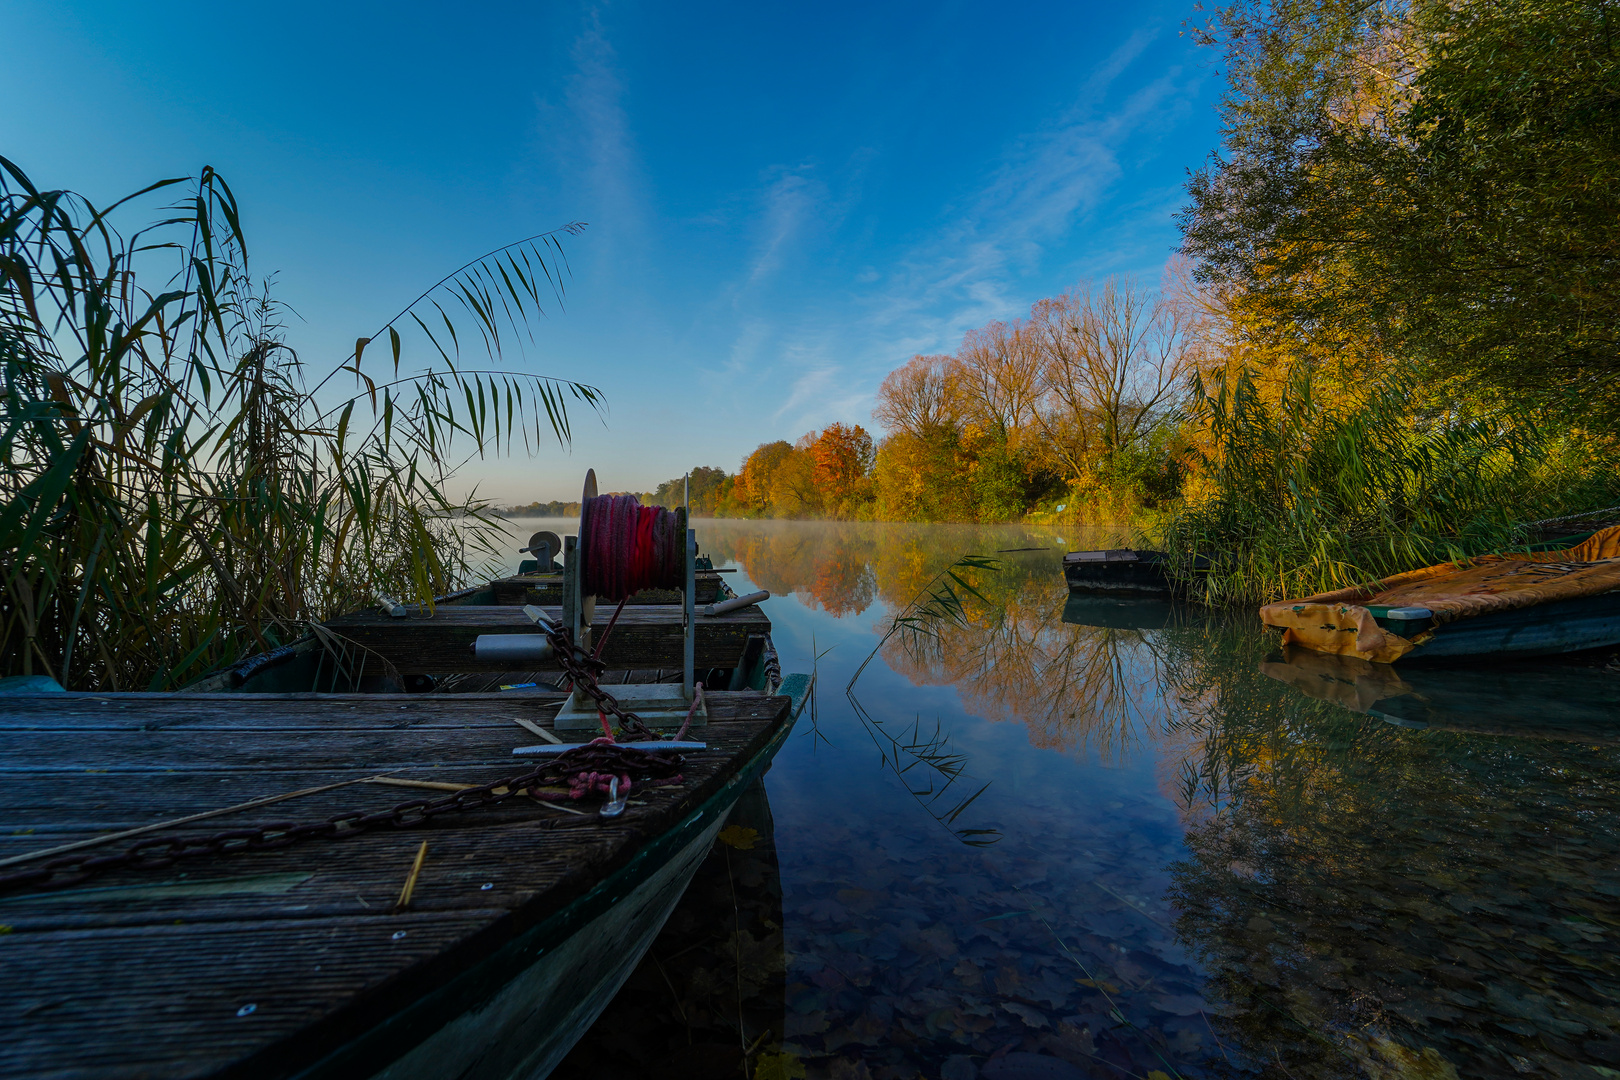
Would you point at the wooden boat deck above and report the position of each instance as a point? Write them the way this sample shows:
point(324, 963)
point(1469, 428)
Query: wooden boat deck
point(548, 589)
point(647, 636)
point(270, 963)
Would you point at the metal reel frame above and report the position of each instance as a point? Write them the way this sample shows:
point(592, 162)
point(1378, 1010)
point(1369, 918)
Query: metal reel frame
point(658, 704)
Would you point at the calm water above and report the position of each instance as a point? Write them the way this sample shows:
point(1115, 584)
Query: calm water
point(1052, 839)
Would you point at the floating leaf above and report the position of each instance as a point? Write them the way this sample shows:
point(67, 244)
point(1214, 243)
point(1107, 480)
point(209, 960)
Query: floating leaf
point(738, 836)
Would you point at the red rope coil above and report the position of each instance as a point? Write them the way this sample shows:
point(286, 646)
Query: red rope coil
point(629, 547)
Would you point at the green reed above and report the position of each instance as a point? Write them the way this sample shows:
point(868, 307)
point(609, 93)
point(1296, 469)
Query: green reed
point(1310, 494)
point(176, 495)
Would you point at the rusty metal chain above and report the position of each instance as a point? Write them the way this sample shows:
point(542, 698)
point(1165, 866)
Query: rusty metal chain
point(157, 852)
point(583, 670)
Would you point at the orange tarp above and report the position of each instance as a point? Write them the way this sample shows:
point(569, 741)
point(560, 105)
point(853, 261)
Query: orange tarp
point(1339, 622)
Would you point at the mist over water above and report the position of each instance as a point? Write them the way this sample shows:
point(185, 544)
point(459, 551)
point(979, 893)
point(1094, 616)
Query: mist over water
point(1058, 837)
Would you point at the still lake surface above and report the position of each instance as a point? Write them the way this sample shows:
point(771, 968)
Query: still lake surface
point(1053, 838)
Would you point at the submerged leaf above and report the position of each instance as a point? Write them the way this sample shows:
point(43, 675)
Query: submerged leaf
point(739, 837)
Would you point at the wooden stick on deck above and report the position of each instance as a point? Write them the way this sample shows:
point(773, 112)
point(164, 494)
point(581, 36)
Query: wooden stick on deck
point(249, 805)
point(535, 729)
point(404, 900)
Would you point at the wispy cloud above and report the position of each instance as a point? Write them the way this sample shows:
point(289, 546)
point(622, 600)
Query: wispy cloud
point(789, 203)
point(821, 394)
point(1048, 183)
point(987, 251)
point(591, 130)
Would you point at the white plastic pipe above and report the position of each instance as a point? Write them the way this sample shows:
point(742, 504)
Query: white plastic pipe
point(735, 603)
point(517, 647)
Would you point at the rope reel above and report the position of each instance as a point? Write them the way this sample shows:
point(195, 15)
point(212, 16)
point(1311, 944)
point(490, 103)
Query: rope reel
point(628, 547)
point(624, 548)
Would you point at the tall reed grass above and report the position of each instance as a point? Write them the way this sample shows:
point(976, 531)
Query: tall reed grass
point(176, 495)
point(1303, 492)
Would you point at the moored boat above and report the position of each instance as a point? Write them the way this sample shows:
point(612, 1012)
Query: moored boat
point(1525, 603)
point(178, 901)
point(1124, 570)
point(1117, 570)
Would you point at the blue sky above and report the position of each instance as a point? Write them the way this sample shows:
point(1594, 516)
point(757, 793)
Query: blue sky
point(784, 201)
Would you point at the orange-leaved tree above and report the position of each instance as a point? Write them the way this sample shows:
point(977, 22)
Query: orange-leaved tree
point(843, 456)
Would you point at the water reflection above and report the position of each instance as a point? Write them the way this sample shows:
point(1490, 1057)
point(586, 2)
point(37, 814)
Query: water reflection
point(1213, 858)
point(1367, 894)
point(712, 986)
point(1554, 699)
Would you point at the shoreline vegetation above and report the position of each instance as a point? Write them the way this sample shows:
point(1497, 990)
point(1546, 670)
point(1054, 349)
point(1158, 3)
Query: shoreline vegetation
point(1392, 337)
point(180, 491)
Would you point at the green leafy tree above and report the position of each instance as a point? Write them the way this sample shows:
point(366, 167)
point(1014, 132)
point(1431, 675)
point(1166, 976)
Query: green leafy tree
point(1444, 178)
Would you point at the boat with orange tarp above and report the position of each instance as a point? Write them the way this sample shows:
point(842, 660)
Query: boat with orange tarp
point(1513, 604)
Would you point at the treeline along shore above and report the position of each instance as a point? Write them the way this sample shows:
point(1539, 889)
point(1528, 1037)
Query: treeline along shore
point(1391, 336)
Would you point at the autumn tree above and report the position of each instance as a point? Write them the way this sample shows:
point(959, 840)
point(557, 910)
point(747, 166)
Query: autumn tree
point(757, 477)
point(1440, 177)
point(917, 398)
point(707, 488)
point(843, 456)
point(1114, 360)
point(996, 376)
point(794, 491)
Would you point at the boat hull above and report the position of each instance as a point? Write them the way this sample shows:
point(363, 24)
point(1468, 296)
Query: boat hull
point(1122, 571)
point(1589, 622)
point(532, 1023)
point(515, 1016)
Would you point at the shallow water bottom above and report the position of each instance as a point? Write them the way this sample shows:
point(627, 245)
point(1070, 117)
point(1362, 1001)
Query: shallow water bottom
point(1022, 847)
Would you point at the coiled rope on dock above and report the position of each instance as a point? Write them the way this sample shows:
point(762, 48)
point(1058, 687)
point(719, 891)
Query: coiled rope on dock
point(629, 547)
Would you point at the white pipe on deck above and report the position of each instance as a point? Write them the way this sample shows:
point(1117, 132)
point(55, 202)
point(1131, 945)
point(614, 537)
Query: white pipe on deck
point(736, 602)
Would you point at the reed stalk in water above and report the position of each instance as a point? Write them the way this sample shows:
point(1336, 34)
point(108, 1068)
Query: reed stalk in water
point(175, 495)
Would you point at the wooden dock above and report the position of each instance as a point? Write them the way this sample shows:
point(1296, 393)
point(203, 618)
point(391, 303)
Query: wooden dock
point(292, 961)
point(647, 636)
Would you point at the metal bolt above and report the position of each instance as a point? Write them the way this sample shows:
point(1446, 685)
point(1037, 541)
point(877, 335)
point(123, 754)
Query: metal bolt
point(247, 1010)
point(398, 934)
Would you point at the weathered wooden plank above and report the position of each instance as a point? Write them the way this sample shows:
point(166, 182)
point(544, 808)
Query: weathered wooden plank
point(153, 712)
point(525, 589)
point(72, 1010)
point(144, 972)
point(646, 636)
point(515, 848)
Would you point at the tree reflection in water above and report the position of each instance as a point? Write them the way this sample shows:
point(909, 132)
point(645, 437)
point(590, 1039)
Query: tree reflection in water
point(1383, 873)
point(1409, 902)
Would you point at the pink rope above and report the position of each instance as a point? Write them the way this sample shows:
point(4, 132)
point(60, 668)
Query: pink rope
point(697, 699)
